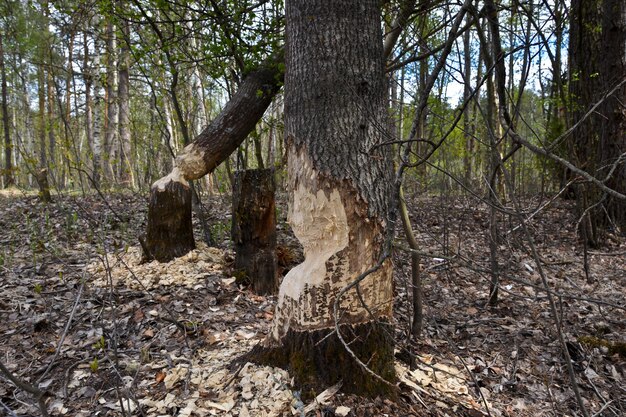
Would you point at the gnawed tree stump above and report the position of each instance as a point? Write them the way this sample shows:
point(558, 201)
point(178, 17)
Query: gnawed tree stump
point(169, 233)
point(254, 229)
point(44, 186)
point(169, 238)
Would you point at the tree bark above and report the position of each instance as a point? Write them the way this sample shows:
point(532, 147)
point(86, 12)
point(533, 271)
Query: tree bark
point(44, 187)
point(88, 99)
point(598, 142)
point(9, 179)
point(111, 145)
point(468, 134)
point(613, 137)
point(203, 155)
point(254, 229)
point(41, 95)
point(335, 105)
point(125, 166)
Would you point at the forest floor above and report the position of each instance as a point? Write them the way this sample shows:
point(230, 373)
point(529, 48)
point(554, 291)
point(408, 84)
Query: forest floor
point(103, 335)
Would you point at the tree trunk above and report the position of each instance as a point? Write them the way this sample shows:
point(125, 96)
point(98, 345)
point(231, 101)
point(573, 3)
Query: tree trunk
point(9, 179)
point(111, 145)
point(96, 133)
point(93, 110)
point(44, 187)
point(88, 99)
point(51, 119)
point(125, 166)
point(468, 134)
point(41, 95)
point(613, 138)
point(203, 155)
point(335, 105)
point(254, 229)
point(598, 142)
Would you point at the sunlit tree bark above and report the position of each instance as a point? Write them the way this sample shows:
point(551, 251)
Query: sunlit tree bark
point(9, 179)
point(335, 106)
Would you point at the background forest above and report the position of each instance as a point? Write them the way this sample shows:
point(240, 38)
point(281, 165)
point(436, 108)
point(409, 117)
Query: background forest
point(507, 118)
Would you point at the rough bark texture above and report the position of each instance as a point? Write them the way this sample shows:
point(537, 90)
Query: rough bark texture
point(170, 231)
point(334, 109)
point(597, 27)
point(613, 136)
point(234, 123)
point(44, 186)
point(254, 229)
point(205, 153)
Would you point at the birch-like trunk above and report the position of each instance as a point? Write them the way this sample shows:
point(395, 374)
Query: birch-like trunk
point(125, 171)
point(111, 145)
point(87, 79)
point(96, 144)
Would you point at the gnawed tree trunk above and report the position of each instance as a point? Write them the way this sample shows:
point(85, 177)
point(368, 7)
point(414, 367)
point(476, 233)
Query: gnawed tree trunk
point(166, 239)
point(169, 220)
point(334, 108)
point(254, 229)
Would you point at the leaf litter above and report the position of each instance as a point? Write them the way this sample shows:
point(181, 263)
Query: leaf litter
point(157, 339)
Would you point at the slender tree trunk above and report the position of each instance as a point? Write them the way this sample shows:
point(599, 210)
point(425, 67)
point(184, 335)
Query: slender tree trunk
point(492, 172)
point(96, 145)
point(9, 179)
point(125, 166)
point(111, 145)
point(335, 101)
point(258, 149)
point(87, 79)
point(71, 156)
point(52, 141)
point(467, 123)
point(41, 94)
point(169, 236)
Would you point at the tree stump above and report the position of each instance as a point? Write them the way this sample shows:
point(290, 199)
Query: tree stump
point(254, 229)
point(44, 186)
point(169, 233)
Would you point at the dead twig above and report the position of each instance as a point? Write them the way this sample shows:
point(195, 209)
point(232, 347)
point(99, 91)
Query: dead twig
point(25, 386)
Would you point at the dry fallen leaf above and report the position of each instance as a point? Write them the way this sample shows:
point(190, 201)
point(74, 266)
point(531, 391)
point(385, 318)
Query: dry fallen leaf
point(159, 377)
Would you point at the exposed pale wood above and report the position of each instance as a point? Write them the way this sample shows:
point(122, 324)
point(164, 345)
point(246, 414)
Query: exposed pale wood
point(204, 154)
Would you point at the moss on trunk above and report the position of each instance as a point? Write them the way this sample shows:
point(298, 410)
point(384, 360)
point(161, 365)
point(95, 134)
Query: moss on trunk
point(317, 359)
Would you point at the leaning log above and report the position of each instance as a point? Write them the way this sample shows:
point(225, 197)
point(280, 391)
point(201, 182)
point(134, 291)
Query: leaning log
point(164, 239)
